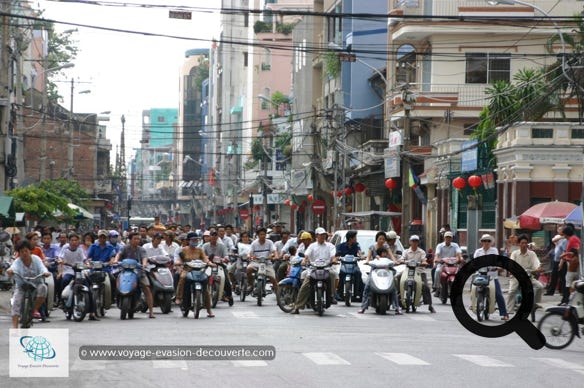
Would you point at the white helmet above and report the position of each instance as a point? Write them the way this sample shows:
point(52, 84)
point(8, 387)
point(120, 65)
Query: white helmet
point(392, 235)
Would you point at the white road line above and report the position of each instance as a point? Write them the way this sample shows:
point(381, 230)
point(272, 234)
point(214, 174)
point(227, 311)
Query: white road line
point(326, 359)
point(559, 363)
point(423, 318)
point(169, 364)
point(483, 360)
point(245, 314)
point(246, 363)
point(88, 365)
point(364, 316)
point(402, 359)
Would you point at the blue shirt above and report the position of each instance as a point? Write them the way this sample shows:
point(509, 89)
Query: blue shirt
point(52, 252)
point(98, 253)
point(343, 249)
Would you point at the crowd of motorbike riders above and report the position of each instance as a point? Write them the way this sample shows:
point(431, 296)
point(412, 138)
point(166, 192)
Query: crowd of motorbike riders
point(39, 253)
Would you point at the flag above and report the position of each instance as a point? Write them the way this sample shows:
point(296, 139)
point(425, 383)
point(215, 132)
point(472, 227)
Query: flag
point(413, 179)
point(212, 178)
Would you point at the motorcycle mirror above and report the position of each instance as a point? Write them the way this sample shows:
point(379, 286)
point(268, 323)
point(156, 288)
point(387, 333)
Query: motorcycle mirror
point(465, 293)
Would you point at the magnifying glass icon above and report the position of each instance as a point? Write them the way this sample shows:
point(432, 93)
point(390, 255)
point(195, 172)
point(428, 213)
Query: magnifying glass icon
point(519, 323)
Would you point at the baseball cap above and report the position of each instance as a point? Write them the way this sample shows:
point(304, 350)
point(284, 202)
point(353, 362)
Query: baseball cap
point(414, 237)
point(305, 235)
point(392, 235)
point(320, 231)
point(487, 237)
point(192, 235)
point(448, 234)
point(157, 235)
point(207, 233)
point(102, 233)
point(113, 233)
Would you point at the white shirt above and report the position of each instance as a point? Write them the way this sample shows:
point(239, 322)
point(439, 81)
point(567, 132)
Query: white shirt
point(316, 251)
point(262, 250)
point(443, 251)
point(71, 257)
point(243, 249)
point(494, 273)
point(151, 251)
point(529, 260)
point(171, 249)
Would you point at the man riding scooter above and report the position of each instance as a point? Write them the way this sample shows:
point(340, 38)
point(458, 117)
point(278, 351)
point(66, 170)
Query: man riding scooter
point(418, 254)
point(443, 250)
point(349, 247)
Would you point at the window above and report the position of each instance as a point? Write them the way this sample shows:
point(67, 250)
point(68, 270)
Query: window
point(246, 19)
point(245, 59)
point(267, 59)
point(577, 133)
point(335, 26)
point(487, 68)
point(160, 119)
point(542, 133)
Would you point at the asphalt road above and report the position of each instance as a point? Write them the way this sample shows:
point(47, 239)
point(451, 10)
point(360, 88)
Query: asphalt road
point(342, 348)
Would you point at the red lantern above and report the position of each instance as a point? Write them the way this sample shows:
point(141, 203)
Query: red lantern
point(458, 183)
point(340, 194)
point(474, 181)
point(294, 207)
point(310, 197)
point(287, 202)
point(360, 187)
point(390, 184)
point(348, 191)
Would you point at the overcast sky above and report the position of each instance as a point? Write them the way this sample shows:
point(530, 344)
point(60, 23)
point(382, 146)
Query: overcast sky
point(128, 73)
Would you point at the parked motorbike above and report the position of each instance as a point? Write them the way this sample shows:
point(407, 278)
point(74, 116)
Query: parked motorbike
point(289, 286)
point(241, 276)
point(482, 295)
point(130, 297)
point(29, 287)
point(99, 282)
point(381, 284)
point(319, 277)
point(76, 294)
point(560, 323)
point(353, 283)
point(161, 282)
point(411, 286)
point(449, 271)
point(260, 280)
point(194, 292)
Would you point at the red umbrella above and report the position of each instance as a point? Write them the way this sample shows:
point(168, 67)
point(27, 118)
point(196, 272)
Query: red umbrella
point(545, 213)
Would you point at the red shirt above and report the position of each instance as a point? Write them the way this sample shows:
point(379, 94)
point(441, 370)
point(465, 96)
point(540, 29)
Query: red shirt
point(573, 262)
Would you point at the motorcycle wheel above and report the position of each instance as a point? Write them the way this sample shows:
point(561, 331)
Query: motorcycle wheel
point(444, 293)
point(408, 299)
point(97, 301)
point(124, 306)
point(286, 296)
point(242, 288)
point(382, 305)
point(198, 302)
point(186, 304)
point(480, 306)
point(80, 306)
point(558, 332)
point(261, 286)
point(26, 312)
point(487, 304)
point(166, 304)
point(348, 294)
point(214, 294)
point(319, 302)
point(101, 310)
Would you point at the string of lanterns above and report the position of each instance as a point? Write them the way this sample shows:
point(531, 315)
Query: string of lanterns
point(474, 181)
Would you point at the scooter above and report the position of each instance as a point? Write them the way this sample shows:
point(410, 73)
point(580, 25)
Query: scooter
point(130, 298)
point(482, 295)
point(560, 323)
point(29, 287)
point(449, 271)
point(259, 289)
point(381, 284)
point(319, 278)
point(161, 282)
point(289, 286)
point(217, 281)
point(241, 277)
point(410, 286)
point(99, 279)
point(49, 304)
point(76, 294)
point(194, 292)
point(352, 283)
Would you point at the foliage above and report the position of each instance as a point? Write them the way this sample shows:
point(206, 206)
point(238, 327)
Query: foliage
point(71, 190)
point(486, 131)
point(39, 202)
point(257, 150)
point(332, 64)
point(250, 164)
point(285, 28)
point(261, 26)
point(278, 98)
point(283, 139)
point(202, 73)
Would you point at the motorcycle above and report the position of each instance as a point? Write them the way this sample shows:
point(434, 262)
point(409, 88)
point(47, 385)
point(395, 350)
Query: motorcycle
point(26, 309)
point(194, 293)
point(49, 304)
point(241, 276)
point(161, 282)
point(217, 281)
point(99, 283)
point(482, 295)
point(352, 283)
point(76, 294)
point(410, 286)
point(531, 276)
point(319, 278)
point(560, 323)
point(260, 279)
point(289, 286)
point(5, 281)
point(130, 296)
point(381, 284)
point(449, 271)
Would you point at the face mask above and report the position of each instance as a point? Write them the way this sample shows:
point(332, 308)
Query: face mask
point(193, 244)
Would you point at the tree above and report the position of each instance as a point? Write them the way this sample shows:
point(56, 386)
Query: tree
point(39, 203)
point(71, 190)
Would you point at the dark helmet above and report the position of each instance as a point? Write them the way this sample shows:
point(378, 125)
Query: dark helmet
point(192, 235)
point(350, 234)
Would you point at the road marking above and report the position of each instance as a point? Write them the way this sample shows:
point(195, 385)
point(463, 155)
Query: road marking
point(483, 360)
point(423, 318)
point(88, 365)
point(326, 359)
point(402, 358)
point(559, 363)
point(245, 314)
point(245, 363)
point(364, 316)
point(342, 315)
point(169, 364)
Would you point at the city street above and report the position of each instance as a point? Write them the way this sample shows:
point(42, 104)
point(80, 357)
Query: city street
point(342, 348)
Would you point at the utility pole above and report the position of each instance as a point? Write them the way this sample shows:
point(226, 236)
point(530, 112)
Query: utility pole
point(122, 170)
point(71, 130)
point(407, 100)
point(4, 89)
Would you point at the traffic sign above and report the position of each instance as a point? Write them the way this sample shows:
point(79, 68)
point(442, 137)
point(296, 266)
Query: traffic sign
point(318, 206)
